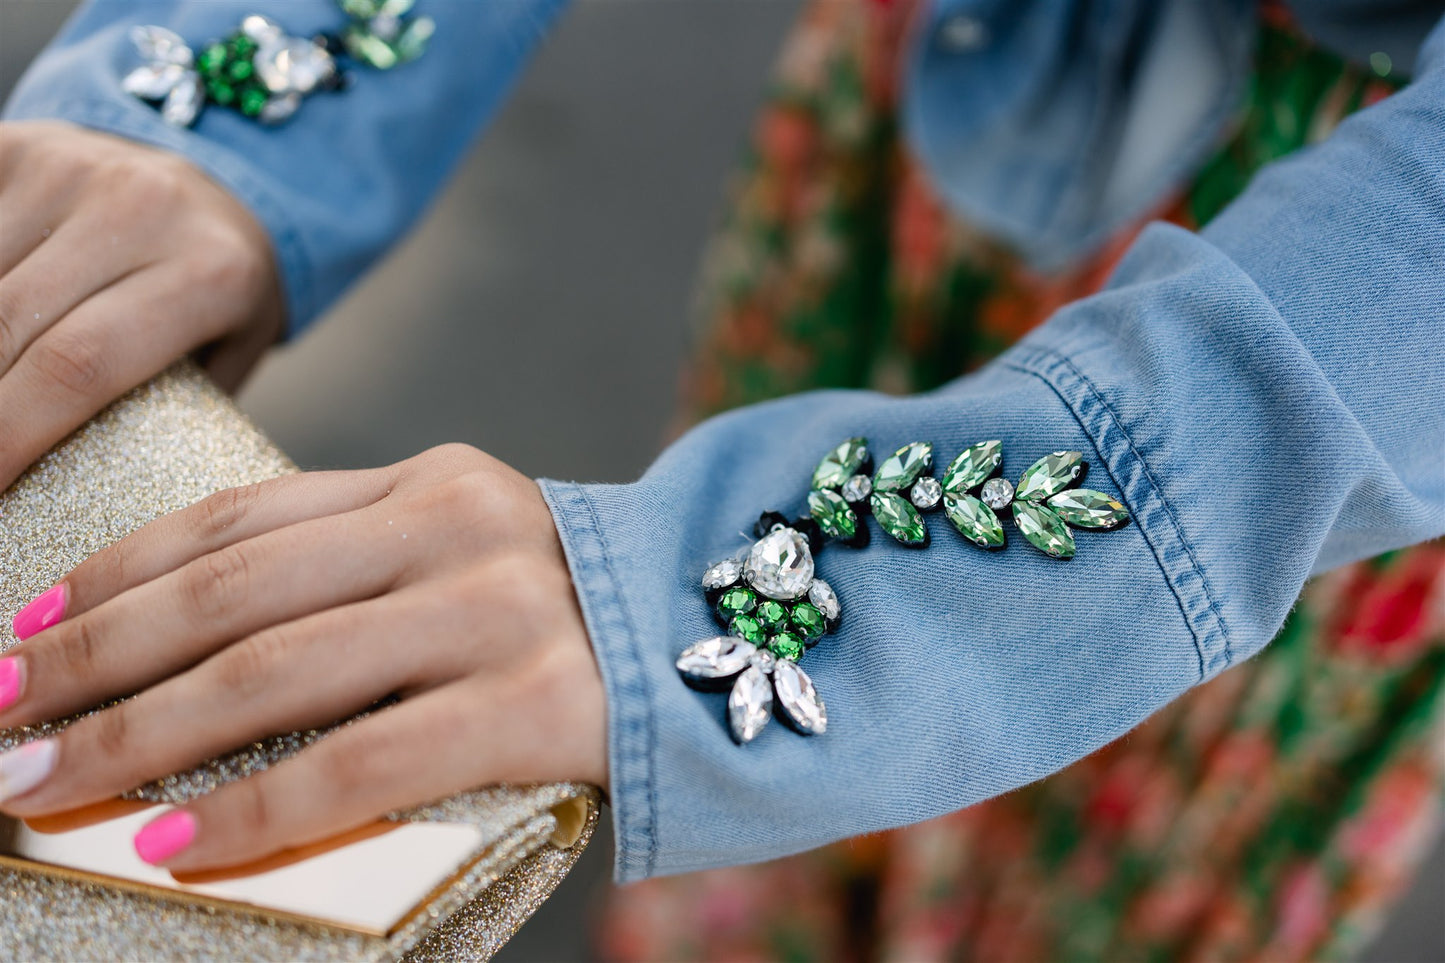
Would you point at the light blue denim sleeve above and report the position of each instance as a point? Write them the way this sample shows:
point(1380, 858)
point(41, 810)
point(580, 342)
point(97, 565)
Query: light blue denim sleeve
point(1264, 396)
point(339, 183)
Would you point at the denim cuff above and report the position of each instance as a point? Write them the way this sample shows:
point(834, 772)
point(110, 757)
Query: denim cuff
point(629, 702)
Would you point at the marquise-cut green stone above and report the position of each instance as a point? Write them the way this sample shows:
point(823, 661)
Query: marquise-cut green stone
point(808, 621)
point(1086, 508)
point(903, 467)
point(748, 629)
point(832, 513)
point(974, 520)
point(786, 645)
point(1044, 530)
point(840, 463)
point(736, 601)
point(773, 615)
point(898, 517)
point(1048, 475)
point(972, 466)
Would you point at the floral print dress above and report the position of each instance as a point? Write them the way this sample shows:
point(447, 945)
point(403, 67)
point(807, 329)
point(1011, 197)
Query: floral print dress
point(1273, 813)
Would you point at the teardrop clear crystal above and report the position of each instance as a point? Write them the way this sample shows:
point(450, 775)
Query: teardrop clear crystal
point(715, 658)
point(804, 708)
point(750, 704)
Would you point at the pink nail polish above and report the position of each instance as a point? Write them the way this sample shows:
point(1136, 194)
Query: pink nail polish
point(47, 609)
point(165, 837)
point(12, 680)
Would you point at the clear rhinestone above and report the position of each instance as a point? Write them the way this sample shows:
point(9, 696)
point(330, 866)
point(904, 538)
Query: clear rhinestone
point(764, 660)
point(750, 704)
point(723, 574)
point(154, 81)
point(926, 492)
point(715, 658)
point(184, 101)
point(279, 109)
point(291, 64)
point(261, 29)
point(821, 594)
point(780, 565)
point(161, 46)
point(858, 488)
point(997, 493)
point(805, 710)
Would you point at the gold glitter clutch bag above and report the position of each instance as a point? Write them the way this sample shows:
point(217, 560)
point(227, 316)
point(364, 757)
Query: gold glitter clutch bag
point(449, 881)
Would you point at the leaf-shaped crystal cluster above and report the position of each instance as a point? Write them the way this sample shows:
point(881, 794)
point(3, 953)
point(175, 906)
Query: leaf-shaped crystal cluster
point(381, 33)
point(1043, 505)
point(896, 494)
point(774, 608)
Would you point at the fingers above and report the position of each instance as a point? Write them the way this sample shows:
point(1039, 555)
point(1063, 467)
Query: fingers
point(52, 279)
point(108, 344)
point(294, 676)
point(170, 623)
point(223, 519)
point(398, 757)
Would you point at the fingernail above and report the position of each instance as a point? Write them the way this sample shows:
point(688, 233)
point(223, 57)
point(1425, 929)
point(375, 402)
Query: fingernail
point(12, 680)
point(22, 769)
point(165, 837)
point(47, 609)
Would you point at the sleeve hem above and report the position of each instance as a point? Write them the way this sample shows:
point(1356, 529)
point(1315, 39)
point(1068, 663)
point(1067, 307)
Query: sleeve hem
point(630, 719)
point(108, 117)
point(1152, 512)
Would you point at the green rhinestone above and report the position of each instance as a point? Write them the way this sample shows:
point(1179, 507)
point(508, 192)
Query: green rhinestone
point(241, 70)
point(773, 615)
point(840, 463)
point(903, 467)
point(1045, 530)
point(736, 601)
point(833, 515)
point(898, 518)
point(786, 645)
point(253, 99)
point(1048, 475)
point(1086, 508)
point(809, 622)
point(748, 629)
point(212, 59)
point(972, 466)
point(221, 92)
point(241, 45)
point(974, 520)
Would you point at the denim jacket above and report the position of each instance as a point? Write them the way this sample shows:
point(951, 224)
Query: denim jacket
point(1265, 396)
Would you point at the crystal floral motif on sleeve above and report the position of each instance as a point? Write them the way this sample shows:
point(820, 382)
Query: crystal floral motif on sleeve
point(264, 72)
point(773, 606)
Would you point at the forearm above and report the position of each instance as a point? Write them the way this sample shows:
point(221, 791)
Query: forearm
point(1263, 397)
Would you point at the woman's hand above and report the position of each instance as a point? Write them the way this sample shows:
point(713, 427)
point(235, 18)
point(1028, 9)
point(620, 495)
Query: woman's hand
point(116, 259)
point(296, 602)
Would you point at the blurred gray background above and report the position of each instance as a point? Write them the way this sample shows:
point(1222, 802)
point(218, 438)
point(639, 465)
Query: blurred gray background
point(540, 313)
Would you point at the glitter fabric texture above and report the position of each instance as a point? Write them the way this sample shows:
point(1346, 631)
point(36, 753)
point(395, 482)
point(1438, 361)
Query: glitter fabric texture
point(162, 447)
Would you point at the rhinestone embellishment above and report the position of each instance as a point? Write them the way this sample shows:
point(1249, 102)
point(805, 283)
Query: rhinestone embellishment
point(773, 607)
